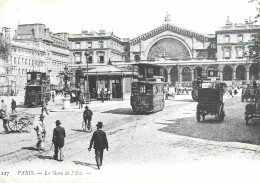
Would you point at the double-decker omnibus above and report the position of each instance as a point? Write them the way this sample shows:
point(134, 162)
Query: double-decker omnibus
point(147, 91)
point(202, 80)
point(37, 89)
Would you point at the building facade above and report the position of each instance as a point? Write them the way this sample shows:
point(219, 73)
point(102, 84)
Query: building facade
point(56, 47)
point(102, 48)
point(182, 52)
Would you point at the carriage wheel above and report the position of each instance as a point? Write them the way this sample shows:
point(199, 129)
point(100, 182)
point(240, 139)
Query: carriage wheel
point(24, 125)
point(12, 125)
point(198, 116)
point(84, 125)
point(246, 118)
point(222, 114)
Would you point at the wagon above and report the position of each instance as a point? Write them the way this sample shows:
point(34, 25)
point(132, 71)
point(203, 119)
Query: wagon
point(210, 102)
point(253, 109)
point(248, 93)
point(20, 122)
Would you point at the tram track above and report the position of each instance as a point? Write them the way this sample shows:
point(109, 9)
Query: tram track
point(30, 153)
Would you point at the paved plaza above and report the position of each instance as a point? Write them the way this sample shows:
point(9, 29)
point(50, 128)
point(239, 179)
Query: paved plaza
point(167, 146)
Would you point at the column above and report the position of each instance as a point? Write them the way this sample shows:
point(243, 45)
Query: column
point(234, 74)
point(221, 75)
point(123, 87)
point(192, 74)
point(247, 74)
point(169, 75)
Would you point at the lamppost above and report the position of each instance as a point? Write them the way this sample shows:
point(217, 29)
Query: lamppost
point(65, 75)
point(87, 94)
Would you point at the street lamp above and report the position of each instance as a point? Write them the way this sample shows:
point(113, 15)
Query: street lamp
point(66, 100)
point(87, 94)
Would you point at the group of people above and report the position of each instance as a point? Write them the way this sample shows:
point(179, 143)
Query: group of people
point(3, 113)
point(98, 140)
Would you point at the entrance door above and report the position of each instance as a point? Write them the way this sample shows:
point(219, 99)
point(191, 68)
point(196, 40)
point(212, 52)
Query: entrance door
point(116, 88)
point(92, 87)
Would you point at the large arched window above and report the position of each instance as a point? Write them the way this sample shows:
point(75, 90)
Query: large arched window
point(198, 72)
point(227, 73)
point(186, 74)
point(174, 75)
point(241, 72)
point(254, 71)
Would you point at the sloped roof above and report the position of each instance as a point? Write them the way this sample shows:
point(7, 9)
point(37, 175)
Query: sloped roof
point(107, 69)
point(166, 27)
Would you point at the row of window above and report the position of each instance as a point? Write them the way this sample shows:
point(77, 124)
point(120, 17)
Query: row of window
point(27, 51)
point(101, 59)
point(113, 45)
point(239, 53)
point(239, 38)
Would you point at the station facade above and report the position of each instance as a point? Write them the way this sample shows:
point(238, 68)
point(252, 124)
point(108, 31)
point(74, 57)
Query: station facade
point(182, 52)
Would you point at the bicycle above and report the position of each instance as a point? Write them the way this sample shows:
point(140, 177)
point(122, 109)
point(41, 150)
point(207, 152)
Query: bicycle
point(86, 125)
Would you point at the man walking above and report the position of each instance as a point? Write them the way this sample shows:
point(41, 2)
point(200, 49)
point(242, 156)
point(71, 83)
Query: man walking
point(13, 106)
point(102, 95)
point(40, 131)
point(58, 140)
point(44, 106)
point(81, 101)
point(100, 143)
point(3, 115)
point(87, 116)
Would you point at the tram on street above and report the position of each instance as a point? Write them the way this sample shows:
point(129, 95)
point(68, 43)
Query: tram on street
point(37, 89)
point(203, 79)
point(147, 91)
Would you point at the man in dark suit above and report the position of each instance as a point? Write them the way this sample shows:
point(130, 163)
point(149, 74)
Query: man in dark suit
point(100, 143)
point(58, 140)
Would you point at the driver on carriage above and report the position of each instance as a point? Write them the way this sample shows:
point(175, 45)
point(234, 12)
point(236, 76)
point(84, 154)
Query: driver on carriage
point(3, 115)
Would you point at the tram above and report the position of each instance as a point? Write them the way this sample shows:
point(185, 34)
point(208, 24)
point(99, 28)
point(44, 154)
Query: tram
point(147, 91)
point(203, 79)
point(37, 89)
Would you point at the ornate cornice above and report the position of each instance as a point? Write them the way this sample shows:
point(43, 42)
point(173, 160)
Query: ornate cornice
point(168, 27)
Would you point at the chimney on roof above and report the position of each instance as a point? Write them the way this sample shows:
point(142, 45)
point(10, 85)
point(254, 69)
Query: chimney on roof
point(228, 22)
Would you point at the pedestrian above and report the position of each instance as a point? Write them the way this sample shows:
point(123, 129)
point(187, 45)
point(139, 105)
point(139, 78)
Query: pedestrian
point(100, 143)
point(13, 106)
point(102, 95)
point(81, 101)
point(41, 132)
point(230, 92)
point(3, 115)
point(53, 96)
point(58, 140)
point(87, 116)
point(44, 106)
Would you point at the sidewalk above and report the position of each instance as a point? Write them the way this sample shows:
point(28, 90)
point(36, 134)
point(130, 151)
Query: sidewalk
point(58, 106)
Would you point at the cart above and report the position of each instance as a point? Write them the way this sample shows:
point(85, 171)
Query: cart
point(248, 93)
point(253, 109)
point(210, 102)
point(20, 122)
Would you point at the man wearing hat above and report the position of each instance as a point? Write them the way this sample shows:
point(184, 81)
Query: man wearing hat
point(58, 140)
point(40, 131)
point(87, 116)
point(100, 143)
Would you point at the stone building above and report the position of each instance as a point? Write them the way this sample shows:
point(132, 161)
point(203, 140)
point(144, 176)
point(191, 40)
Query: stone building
point(103, 49)
point(184, 53)
point(56, 47)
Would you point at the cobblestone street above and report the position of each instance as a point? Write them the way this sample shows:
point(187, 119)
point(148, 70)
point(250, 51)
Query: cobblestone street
point(159, 147)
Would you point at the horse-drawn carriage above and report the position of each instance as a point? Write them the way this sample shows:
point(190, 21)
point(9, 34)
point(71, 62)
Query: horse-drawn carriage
point(253, 109)
point(19, 122)
point(248, 93)
point(210, 101)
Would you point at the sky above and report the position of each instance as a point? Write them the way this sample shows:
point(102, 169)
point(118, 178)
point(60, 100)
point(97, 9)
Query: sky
point(127, 19)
